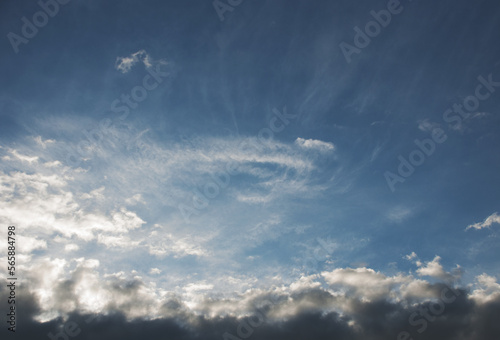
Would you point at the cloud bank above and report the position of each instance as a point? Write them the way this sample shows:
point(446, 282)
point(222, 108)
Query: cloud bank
point(347, 303)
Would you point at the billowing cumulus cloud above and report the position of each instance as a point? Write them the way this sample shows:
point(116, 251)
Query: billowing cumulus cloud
point(348, 304)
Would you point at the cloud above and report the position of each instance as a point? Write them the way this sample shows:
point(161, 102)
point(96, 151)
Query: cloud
point(96, 194)
point(43, 143)
point(493, 218)
point(314, 144)
point(71, 210)
point(435, 269)
point(53, 164)
point(363, 282)
point(119, 241)
point(399, 214)
point(78, 285)
point(71, 247)
point(28, 244)
point(103, 205)
point(23, 158)
point(305, 283)
point(432, 268)
point(44, 204)
point(411, 256)
point(162, 244)
point(154, 271)
point(125, 64)
point(137, 198)
point(117, 307)
point(488, 289)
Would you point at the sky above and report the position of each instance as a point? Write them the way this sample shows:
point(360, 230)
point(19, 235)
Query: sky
point(238, 169)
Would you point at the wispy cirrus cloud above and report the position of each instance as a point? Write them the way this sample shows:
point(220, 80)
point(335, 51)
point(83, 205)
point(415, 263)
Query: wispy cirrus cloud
point(106, 202)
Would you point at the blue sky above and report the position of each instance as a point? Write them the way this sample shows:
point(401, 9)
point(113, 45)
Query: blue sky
point(208, 154)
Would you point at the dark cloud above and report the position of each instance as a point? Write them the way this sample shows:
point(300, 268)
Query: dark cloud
point(462, 319)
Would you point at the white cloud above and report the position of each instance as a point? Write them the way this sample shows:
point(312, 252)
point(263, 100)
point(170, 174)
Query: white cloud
point(117, 241)
point(411, 256)
point(24, 158)
point(305, 283)
point(53, 164)
point(488, 288)
point(436, 270)
point(44, 204)
point(124, 64)
point(399, 214)
point(137, 198)
point(28, 244)
point(196, 287)
point(88, 263)
point(74, 204)
point(125, 220)
point(43, 143)
point(154, 271)
point(314, 144)
point(364, 282)
point(96, 194)
point(71, 247)
point(494, 218)
point(162, 244)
